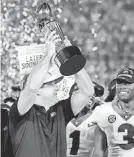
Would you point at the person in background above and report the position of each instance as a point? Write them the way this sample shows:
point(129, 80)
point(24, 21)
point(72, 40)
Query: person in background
point(6, 146)
point(16, 91)
point(5, 107)
point(80, 130)
point(37, 120)
point(9, 101)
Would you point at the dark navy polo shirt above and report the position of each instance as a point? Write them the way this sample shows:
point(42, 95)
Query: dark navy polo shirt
point(39, 133)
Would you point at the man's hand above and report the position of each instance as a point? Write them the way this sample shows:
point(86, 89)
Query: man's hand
point(67, 41)
point(51, 39)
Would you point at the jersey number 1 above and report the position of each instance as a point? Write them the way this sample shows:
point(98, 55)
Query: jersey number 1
point(76, 141)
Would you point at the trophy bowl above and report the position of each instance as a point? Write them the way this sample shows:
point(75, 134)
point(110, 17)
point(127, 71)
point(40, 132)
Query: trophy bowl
point(71, 59)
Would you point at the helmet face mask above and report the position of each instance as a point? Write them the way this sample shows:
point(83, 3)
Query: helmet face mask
point(98, 90)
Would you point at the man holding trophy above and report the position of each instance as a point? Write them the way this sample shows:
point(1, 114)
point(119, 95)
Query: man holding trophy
point(37, 120)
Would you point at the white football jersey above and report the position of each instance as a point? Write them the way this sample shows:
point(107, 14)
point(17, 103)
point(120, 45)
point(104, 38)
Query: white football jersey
point(80, 137)
point(119, 132)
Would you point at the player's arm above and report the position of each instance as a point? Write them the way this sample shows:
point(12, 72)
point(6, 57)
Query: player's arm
point(37, 76)
point(84, 93)
point(100, 143)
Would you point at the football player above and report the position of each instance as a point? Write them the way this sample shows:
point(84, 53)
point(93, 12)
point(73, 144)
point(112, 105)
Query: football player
point(80, 130)
point(116, 119)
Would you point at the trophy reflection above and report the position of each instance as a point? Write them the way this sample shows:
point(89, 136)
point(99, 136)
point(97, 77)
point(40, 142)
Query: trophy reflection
point(68, 57)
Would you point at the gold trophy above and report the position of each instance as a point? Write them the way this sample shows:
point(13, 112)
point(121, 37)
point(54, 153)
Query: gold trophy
point(68, 57)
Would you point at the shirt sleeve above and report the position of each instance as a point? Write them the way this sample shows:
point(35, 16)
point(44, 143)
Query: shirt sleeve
point(4, 118)
point(67, 111)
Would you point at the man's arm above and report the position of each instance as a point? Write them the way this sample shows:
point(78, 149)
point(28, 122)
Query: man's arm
point(37, 76)
point(85, 91)
point(34, 82)
point(84, 82)
point(100, 143)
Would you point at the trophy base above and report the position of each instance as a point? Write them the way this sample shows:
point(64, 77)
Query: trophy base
point(71, 59)
point(72, 65)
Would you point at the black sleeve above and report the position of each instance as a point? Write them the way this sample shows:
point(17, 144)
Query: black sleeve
point(8, 149)
point(4, 118)
point(14, 116)
point(67, 110)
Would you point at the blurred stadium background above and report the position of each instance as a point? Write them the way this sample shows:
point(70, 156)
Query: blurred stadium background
point(103, 29)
